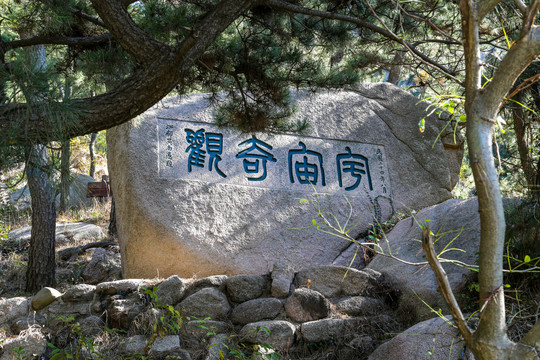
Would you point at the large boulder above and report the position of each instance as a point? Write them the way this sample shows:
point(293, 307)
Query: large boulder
point(77, 199)
point(456, 225)
point(433, 339)
point(195, 198)
point(65, 233)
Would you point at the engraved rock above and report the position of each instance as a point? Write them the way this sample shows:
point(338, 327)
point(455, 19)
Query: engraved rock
point(204, 200)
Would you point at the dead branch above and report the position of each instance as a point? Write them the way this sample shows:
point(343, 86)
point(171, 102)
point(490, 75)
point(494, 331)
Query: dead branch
point(78, 250)
point(444, 284)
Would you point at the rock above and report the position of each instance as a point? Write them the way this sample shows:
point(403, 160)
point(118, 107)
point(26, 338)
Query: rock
point(44, 297)
point(278, 333)
point(164, 346)
point(65, 232)
point(307, 305)
point(91, 326)
point(256, 310)
point(123, 286)
point(175, 221)
point(73, 232)
point(23, 323)
point(203, 329)
point(135, 344)
point(215, 281)
point(77, 195)
point(208, 302)
point(104, 265)
point(121, 312)
point(75, 309)
point(432, 339)
point(246, 287)
point(170, 291)
point(11, 309)
point(453, 217)
point(29, 344)
point(333, 281)
point(360, 305)
point(21, 199)
point(79, 292)
point(77, 198)
point(330, 329)
point(218, 345)
point(282, 276)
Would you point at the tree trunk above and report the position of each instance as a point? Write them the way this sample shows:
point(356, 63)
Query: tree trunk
point(93, 137)
point(112, 221)
point(41, 258)
point(64, 176)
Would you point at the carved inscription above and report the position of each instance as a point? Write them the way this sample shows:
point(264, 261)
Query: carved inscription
point(203, 152)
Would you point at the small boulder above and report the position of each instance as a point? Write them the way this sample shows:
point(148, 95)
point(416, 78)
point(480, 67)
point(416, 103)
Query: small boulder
point(282, 277)
point(203, 329)
point(170, 291)
point(218, 347)
point(360, 305)
point(104, 266)
point(29, 344)
point(121, 312)
point(246, 287)
point(307, 305)
point(79, 292)
point(277, 333)
point(256, 310)
point(208, 302)
point(215, 281)
point(164, 346)
point(44, 297)
point(123, 286)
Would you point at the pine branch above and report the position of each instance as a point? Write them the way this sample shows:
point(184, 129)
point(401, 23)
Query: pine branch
point(59, 40)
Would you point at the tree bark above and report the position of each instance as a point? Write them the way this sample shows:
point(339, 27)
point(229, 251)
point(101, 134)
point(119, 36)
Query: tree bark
point(64, 176)
point(93, 137)
point(41, 258)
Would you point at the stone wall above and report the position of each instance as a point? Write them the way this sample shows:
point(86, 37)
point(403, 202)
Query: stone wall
point(285, 310)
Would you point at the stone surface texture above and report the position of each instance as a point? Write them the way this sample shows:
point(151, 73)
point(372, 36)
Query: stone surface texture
point(188, 227)
point(104, 265)
point(432, 339)
point(44, 297)
point(307, 305)
point(333, 281)
point(278, 333)
point(256, 310)
point(207, 302)
point(453, 217)
point(65, 233)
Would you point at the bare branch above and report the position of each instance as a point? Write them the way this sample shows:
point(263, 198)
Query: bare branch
point(444, 285)
point(430, 23)
point(521, 6)
point(484, 7)
point(280, 4)
point(85, 16)
point(408, 46)
point(59, 40)
point(520, 55)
